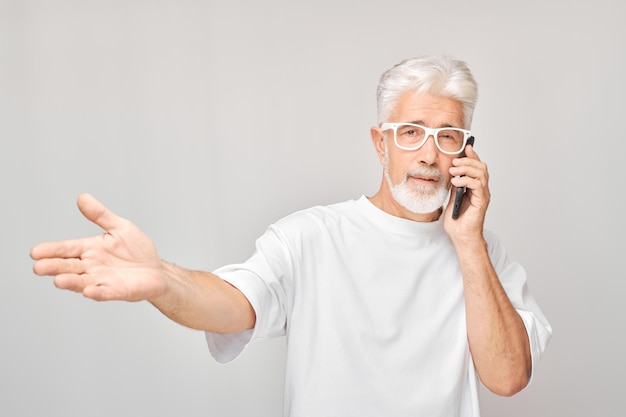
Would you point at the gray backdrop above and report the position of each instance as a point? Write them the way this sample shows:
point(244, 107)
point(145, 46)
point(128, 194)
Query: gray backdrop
point(204, 121)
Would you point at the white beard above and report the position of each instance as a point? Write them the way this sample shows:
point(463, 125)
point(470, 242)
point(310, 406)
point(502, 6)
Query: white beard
point(419, 199)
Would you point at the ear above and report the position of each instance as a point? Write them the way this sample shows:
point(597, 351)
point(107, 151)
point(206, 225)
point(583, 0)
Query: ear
point(378, 139)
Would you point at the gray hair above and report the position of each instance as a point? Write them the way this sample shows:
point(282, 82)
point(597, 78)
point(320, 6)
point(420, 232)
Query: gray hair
point(439, 76)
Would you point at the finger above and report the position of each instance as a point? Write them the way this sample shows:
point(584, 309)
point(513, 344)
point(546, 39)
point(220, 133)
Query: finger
point(60, 249)
point(470, 152)
point(471, 184)
point(476, 172)
point(470, 167)
point(86, 285)
point(463, 181)
point(58, 266)
point(100, 293)
point(71, 282)
point(97, 213)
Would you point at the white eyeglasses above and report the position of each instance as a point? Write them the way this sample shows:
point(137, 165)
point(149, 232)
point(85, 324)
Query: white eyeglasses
point(409, 136)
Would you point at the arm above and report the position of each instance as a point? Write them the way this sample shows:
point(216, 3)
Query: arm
point(123, 264)
point(496, 333)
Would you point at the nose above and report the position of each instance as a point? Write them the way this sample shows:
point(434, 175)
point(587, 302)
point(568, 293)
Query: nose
point(428, 153)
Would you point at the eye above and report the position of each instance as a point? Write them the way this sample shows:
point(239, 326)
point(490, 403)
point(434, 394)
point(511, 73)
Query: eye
point(409, 131)
point(450, 135)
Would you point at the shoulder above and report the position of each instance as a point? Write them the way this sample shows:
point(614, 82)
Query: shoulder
point(497, 252)
point(314, 224)
point(494, 244)
point(492, 238)
point(327, 215)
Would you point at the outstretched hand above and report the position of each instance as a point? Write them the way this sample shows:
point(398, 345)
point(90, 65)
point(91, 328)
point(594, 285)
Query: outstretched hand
point(120, 264)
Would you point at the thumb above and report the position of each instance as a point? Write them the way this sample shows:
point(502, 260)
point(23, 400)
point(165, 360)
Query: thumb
point(97, 213)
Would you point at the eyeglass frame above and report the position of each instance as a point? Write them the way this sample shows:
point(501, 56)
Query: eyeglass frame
point(428, 132)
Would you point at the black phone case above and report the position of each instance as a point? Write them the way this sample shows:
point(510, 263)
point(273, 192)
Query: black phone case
point(460, 192)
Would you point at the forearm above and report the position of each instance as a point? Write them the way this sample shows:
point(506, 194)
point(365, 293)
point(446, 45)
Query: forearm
point(203, 301)
point(496, 333)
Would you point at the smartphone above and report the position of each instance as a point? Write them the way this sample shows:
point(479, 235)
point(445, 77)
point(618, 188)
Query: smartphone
point(460, 191)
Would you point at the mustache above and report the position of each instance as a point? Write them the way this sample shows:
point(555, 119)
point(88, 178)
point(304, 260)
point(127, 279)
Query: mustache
point(425, 171)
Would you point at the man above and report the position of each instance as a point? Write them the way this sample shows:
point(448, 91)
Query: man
point(391, 306)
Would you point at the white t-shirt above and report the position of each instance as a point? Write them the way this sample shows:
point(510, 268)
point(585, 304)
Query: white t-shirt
point(373, 310)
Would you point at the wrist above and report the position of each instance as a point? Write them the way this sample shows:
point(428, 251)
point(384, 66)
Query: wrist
point(469, 244)
point(167, 277)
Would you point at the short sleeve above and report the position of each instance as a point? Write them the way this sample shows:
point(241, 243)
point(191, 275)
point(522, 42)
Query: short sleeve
point(262, 280)
point(514, 281)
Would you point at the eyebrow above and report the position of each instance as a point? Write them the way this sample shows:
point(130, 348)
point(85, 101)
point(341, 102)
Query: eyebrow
point(421, 123)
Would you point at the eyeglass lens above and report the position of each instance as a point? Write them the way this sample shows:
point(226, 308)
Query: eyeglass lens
point(450, 140)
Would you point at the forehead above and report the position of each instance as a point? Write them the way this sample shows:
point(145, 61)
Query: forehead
point(430, 110)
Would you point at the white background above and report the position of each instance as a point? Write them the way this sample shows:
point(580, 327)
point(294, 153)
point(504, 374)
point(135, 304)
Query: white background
point(205, 121)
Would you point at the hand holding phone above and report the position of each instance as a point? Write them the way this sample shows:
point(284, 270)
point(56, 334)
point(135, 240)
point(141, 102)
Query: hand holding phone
point(460, 191)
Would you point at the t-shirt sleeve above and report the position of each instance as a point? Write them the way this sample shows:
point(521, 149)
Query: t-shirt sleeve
point(263, 279)
point(514, 281)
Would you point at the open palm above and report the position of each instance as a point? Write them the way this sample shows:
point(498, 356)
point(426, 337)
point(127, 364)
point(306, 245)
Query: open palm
point(121, 264)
